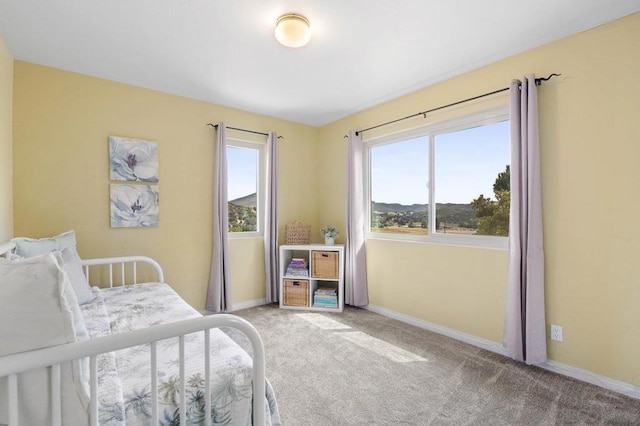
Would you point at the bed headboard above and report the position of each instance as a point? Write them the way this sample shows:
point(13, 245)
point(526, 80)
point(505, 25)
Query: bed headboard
point(109, 262)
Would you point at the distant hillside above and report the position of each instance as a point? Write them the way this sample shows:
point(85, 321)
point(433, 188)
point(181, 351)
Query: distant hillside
point(456, 213)
point(398, 208)
point(392, 214)
point(242, 214)
point(464, 210)
point(250, 200)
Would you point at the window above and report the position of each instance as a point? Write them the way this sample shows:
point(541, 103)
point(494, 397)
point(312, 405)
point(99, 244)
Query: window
point(245, 187)
point(444, 182)
point(399, 192)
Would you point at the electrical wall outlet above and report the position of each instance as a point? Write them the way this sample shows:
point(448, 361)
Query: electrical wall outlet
point(556, 332)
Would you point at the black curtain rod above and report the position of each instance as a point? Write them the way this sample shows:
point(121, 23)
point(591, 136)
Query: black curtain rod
point(215, 126)
point(424, 113)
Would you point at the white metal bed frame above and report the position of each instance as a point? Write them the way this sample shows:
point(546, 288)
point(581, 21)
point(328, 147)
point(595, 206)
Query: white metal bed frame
point(53, 357)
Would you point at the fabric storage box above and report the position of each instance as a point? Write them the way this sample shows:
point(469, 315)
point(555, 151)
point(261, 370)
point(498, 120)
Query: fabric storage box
point(296, 292)
point(324, 264)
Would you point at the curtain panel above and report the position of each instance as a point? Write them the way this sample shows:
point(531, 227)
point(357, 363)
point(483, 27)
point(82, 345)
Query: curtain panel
point(219, 290)
point(271, 221)
point(356, 291)
point(525, 326)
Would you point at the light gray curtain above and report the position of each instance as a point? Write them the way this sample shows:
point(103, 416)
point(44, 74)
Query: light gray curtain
point(219, 290)
point(525, 327)
point(271, 221)
point(356, 292)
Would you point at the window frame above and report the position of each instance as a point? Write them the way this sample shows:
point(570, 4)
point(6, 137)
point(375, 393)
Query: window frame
point(430, 131)
point(260, 185)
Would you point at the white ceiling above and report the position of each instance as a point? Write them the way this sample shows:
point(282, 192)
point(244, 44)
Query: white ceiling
point(362, 53)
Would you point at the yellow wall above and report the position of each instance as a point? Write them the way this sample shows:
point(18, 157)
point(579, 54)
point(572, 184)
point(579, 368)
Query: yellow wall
point(6, 155)
point(61, 124)
point(590, 122)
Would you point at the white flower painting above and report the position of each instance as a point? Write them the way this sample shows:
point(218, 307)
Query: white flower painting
point(133, 159)
point(134, 206)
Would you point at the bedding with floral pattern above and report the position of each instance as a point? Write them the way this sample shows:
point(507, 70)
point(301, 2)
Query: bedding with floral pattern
point(124, 383)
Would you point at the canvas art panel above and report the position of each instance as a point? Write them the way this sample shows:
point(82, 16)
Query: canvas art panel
point(133, 159)
point(134, 206)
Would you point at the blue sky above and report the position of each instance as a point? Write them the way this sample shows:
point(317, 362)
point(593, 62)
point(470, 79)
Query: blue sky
point(467, 164)
point(242, 168)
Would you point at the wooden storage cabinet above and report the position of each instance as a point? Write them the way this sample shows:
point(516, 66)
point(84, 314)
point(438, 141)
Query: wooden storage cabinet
point(316, 280)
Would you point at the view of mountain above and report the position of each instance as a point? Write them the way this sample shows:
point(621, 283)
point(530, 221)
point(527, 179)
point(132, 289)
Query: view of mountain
point(398, 208)
point(250, 200)
point(243, 214)
point(449, 215)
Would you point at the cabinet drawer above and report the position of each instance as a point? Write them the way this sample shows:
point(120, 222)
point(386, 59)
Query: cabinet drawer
point(296, 292)
point(324, 264)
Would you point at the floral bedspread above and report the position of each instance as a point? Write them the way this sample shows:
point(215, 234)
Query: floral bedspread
point(124, 383)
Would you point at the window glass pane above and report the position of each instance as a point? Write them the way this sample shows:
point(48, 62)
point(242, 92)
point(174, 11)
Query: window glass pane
point(242, 174)
point(399, 193)
point(472, 190)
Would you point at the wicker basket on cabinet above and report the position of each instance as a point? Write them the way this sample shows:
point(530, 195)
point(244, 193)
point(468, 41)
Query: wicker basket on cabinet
point(324, 264)
point(298, 233)
point(296, 292)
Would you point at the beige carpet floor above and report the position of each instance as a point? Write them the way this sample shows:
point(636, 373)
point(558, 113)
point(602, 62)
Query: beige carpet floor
point(361, 368)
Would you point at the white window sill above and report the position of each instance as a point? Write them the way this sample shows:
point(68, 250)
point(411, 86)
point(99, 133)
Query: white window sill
point(480, 241)
point(245, 235)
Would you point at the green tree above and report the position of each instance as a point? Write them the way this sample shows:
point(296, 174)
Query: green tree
point(493, 216)
point(503, 181)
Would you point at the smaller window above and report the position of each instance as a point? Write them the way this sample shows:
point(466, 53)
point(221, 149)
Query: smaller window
point(245, 187)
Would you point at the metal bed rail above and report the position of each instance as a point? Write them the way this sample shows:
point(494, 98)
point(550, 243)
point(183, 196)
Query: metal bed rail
point(53, 357)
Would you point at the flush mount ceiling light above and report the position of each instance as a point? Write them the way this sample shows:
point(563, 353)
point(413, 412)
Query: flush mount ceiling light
point(293, 30)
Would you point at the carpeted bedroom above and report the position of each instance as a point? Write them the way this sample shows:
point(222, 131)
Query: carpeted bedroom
point(419, 212)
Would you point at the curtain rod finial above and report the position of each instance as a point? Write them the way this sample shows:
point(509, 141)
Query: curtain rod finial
point(541, 79)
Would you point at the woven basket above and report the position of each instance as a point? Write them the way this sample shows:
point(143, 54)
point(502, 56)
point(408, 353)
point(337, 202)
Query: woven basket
point(296, 293)
point(298, 233)
point(324, 264)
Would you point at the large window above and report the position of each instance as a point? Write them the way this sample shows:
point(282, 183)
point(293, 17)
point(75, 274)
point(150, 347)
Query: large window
point(445, 182)
point(245, 176)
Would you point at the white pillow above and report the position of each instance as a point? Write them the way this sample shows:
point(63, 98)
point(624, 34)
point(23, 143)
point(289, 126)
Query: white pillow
point(32, 310)
point(79, 326)
point(36, 304)
point(13, 257)
point(66, 244)
point(29, 247)
point(73, 267)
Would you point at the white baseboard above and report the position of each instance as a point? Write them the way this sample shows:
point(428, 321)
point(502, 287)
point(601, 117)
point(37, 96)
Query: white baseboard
point(241, 305)
point(467, 338)
point(554, 366)
point(248, 304)
point(593, 378)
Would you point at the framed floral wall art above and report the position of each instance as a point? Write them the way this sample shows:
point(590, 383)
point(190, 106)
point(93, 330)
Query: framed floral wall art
point(134, 206)
point(133, 159)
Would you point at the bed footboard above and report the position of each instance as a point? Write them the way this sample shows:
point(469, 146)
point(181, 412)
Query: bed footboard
point(12, 365)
